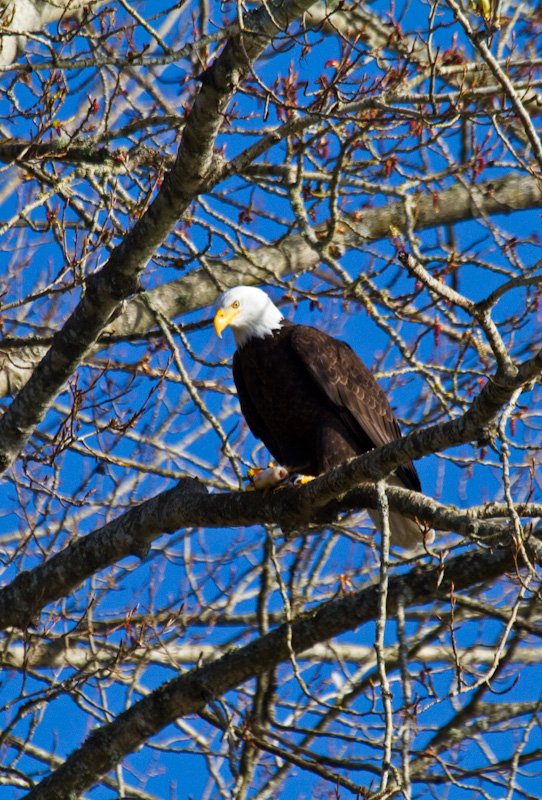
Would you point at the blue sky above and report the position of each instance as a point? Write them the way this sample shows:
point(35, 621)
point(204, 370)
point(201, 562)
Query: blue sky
point(223, 561)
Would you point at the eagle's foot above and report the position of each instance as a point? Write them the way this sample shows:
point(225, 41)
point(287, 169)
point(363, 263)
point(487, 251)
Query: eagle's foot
point(300, 480)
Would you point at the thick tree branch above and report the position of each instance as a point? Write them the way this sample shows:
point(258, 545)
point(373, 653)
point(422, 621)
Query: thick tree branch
point(70, 651)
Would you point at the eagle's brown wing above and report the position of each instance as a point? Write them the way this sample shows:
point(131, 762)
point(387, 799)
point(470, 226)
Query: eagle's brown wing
point(352, 389)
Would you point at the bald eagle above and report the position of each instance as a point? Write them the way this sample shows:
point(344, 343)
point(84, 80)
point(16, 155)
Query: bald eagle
point(308, 396)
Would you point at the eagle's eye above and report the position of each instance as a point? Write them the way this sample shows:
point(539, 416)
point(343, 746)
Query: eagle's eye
point(235, 304)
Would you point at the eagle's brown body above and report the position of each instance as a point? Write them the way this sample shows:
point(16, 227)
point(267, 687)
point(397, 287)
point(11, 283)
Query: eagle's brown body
point(312, 401)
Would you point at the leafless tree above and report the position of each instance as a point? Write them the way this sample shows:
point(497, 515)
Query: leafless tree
point(165, 632)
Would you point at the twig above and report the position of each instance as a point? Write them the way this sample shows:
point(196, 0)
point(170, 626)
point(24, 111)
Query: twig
point(383, 509)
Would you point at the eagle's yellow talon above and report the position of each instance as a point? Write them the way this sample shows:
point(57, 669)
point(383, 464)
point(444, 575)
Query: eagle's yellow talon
point(301, 480)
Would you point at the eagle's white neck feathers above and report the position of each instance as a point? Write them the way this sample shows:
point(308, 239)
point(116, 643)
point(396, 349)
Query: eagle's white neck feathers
point(255, 316)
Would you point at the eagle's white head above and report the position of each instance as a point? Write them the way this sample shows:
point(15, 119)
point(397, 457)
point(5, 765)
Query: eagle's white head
point(249, 313)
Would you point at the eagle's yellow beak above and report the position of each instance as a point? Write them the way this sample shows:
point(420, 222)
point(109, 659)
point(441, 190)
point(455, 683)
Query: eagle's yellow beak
point(223, 319)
